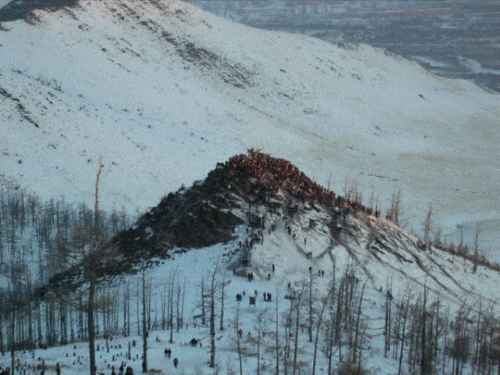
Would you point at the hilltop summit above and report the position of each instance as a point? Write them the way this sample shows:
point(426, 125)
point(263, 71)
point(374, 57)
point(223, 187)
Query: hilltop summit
point(163, 91)
point(209, 211)
point(273, 216)
point(285, 239)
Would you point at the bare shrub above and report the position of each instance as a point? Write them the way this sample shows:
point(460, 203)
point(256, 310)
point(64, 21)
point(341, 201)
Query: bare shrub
point(349, 368)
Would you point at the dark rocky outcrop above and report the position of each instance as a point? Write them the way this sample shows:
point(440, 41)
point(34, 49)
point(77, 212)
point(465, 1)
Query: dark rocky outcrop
point(208, 213)
point(23, 9)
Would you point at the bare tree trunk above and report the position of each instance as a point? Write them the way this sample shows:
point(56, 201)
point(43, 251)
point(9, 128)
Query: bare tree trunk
point(259, 331)
point(203, 314)
point(171, 307)
point(332, 337)
point(309, 330)
point(288, 329)
point(144, 325)
point(96, 208)
point(476, 246)
point(238, 337)
point(327, 299)
point(126, 312)
point(387, 325)
point(277, 333)
point(91, 326)
point(13, 343)
point(404, 316)
point(222, 304)
point(182, 305)
point(395, 210)
point(212, 317)
point(427, 228)
point(358, 319)
point(296, 342)
point(425, 361)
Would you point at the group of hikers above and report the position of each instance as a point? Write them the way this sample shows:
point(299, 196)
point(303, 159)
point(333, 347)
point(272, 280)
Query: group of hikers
point(123, 369)
point(168, 354)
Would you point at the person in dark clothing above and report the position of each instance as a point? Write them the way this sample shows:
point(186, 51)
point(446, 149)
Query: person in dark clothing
point(129, 371)
point(58, 369)
point(168, 352)
point(176, 362)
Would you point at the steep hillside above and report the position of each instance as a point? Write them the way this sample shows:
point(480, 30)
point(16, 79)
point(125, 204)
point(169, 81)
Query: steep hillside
point(279, 222)
point(163, 91)
point(294, 249)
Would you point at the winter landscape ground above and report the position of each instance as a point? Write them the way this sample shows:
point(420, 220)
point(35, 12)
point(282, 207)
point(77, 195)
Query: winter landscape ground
point(177, 100)
point(313, 259)
point(163, 92)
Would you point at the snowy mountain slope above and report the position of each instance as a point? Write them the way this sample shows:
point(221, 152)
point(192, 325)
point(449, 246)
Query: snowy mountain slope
point(291, 233)
point(278, 223)
point(163, 91)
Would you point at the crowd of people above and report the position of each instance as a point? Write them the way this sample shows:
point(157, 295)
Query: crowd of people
point(280, 175)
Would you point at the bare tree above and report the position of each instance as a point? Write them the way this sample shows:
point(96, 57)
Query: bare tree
point(277, 331)
point(396, 209)
point(426, 357)
point(238, 337)
point(260, 325)
point(427, 228)
point(437, 236)
point(330, 333)
point(213, 286)
point(296, 334)
point(387, 322)
point(479, 229)
point(309, 328)
point(401, 333)
point(144, 325)
point(320, 319)
point(14, 305)
point(89, 270)
point(358, 320)
point(171, 305)
point(460, 349)
point(203, 303)
point(222, 297)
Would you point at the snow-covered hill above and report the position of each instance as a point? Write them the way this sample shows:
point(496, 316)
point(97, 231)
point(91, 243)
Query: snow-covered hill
point(280, 223)
point(163, 91)
point(294, 245)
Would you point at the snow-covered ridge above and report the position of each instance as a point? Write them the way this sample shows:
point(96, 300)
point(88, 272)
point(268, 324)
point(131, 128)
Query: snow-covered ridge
point(294, 244)
point(163, 91)
point(277, 222)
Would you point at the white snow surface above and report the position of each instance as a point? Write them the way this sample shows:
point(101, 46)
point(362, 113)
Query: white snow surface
point(163, 91)
point(404, 272)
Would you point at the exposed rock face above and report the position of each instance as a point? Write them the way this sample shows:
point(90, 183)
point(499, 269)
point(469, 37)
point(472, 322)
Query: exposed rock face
point(273, 213)
point(210, 211)
point(203, 215)
point(23, 9)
